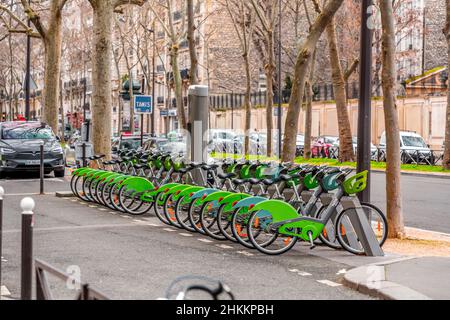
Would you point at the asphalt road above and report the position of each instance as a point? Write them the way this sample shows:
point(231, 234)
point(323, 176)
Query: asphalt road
point(426, 201)
point(138, 259)
point(130, 258)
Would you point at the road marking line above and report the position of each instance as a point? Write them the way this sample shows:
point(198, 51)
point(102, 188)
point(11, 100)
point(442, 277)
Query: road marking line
point(294, 270)
point(73, 200)
point(169, 230)
point(125, 217)
point(223, 246)
point(186, 235)
point(93, 206)
point(103, 209)
point(205, 240)
point(343, 271)
point(245, 253)
point(329, 283)
point(304, 274)
point(4, 291)
point(72, 228)
point(153, 225)
point(138, 221)
point(4, 260)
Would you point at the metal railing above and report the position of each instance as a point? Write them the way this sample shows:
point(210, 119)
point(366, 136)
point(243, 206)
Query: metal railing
point(43, 291)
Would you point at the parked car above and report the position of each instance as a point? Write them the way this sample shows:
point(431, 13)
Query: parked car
point(300, 145)
point(127, 142)
point(224, 140)
point(20, 148)
point(321, 146)
point(373, 148)
point(412, 146)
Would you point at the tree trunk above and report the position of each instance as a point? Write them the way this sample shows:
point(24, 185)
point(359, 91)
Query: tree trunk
point(393, 162)
point(308, 110)
point(247, 104)
point(51, 78)
point(101, 77)
point(178, 87)
point(193, 73)
point(270, 70)
point(346, 152)
point(300, 75)
point(446, 162)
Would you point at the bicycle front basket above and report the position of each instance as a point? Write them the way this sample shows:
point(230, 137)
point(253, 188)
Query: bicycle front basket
point(356, 184)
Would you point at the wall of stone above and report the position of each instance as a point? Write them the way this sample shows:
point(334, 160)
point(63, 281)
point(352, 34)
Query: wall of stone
point(435, 42)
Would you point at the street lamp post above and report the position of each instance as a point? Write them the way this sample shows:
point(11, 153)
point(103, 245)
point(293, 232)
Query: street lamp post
point(153, 79)
point(28, 74)
point(365, 96)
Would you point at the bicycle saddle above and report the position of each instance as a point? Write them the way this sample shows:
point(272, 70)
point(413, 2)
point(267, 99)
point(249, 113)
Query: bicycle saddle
point(224, 176)
point(254, 181)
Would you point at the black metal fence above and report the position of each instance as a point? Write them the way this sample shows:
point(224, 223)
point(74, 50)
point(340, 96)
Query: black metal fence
point(416, 157)
point(321, 92)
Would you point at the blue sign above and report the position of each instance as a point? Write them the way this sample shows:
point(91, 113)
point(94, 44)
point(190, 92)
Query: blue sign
point(143, 104)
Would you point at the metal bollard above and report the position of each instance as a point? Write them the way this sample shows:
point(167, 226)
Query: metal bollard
point(42, 172)
point(2, 193)
point(83, 157)
point(27, 205)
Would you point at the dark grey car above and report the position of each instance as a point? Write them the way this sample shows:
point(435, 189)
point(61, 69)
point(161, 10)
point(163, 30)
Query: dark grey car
point(20, 148)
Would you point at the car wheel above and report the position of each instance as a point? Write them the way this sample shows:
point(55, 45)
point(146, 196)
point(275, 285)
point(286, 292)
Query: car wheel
point(60, 173)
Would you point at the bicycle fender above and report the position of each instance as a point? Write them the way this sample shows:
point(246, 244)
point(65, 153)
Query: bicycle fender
point(202, 194)
point(216, 197)
point(138, 184)
point(247, 202)
point(231, 199)
point(279, 210)
point(187, 192)
point(174, 190)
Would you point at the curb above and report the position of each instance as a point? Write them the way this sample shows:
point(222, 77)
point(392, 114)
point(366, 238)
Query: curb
point(64, 194)
point(419, 174)
point(371, 280)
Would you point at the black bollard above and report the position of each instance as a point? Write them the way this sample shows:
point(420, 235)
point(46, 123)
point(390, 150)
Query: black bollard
point(27, 206)
point(42, 172)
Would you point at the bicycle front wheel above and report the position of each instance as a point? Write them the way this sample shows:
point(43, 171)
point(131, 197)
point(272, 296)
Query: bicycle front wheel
point(266, 240)
point(346, 233)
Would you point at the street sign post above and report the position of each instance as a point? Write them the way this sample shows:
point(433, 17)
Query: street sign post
point(143, 105)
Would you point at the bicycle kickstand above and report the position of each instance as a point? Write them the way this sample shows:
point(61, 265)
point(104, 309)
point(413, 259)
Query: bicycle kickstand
point(311, 240)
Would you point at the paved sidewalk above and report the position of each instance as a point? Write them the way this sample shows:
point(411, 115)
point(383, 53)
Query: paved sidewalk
point(412, 278)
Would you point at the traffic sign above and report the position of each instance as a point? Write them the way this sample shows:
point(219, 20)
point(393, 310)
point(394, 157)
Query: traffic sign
point(143, 104)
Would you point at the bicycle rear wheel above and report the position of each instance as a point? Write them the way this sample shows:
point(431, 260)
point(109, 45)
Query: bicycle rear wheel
point(346, 233)
point(224, 222)
point(208, 220)
point(182, 215)
point(169, 211)
point(328, 236)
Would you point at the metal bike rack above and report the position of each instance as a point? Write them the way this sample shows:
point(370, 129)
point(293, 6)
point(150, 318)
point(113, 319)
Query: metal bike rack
point(43, 291)
point(363, 230)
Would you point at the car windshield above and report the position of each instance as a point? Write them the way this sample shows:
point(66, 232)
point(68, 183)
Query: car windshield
point(416, 142)
point(329, 140)
point(27, 132)
point(130, 144)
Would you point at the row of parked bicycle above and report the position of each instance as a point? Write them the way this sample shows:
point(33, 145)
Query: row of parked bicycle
point(263, 206)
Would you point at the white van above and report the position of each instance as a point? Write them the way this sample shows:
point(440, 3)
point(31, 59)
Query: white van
point(413, 147)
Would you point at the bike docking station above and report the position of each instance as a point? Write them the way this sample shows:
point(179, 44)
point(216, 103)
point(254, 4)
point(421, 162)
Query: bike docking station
point(198, 126)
